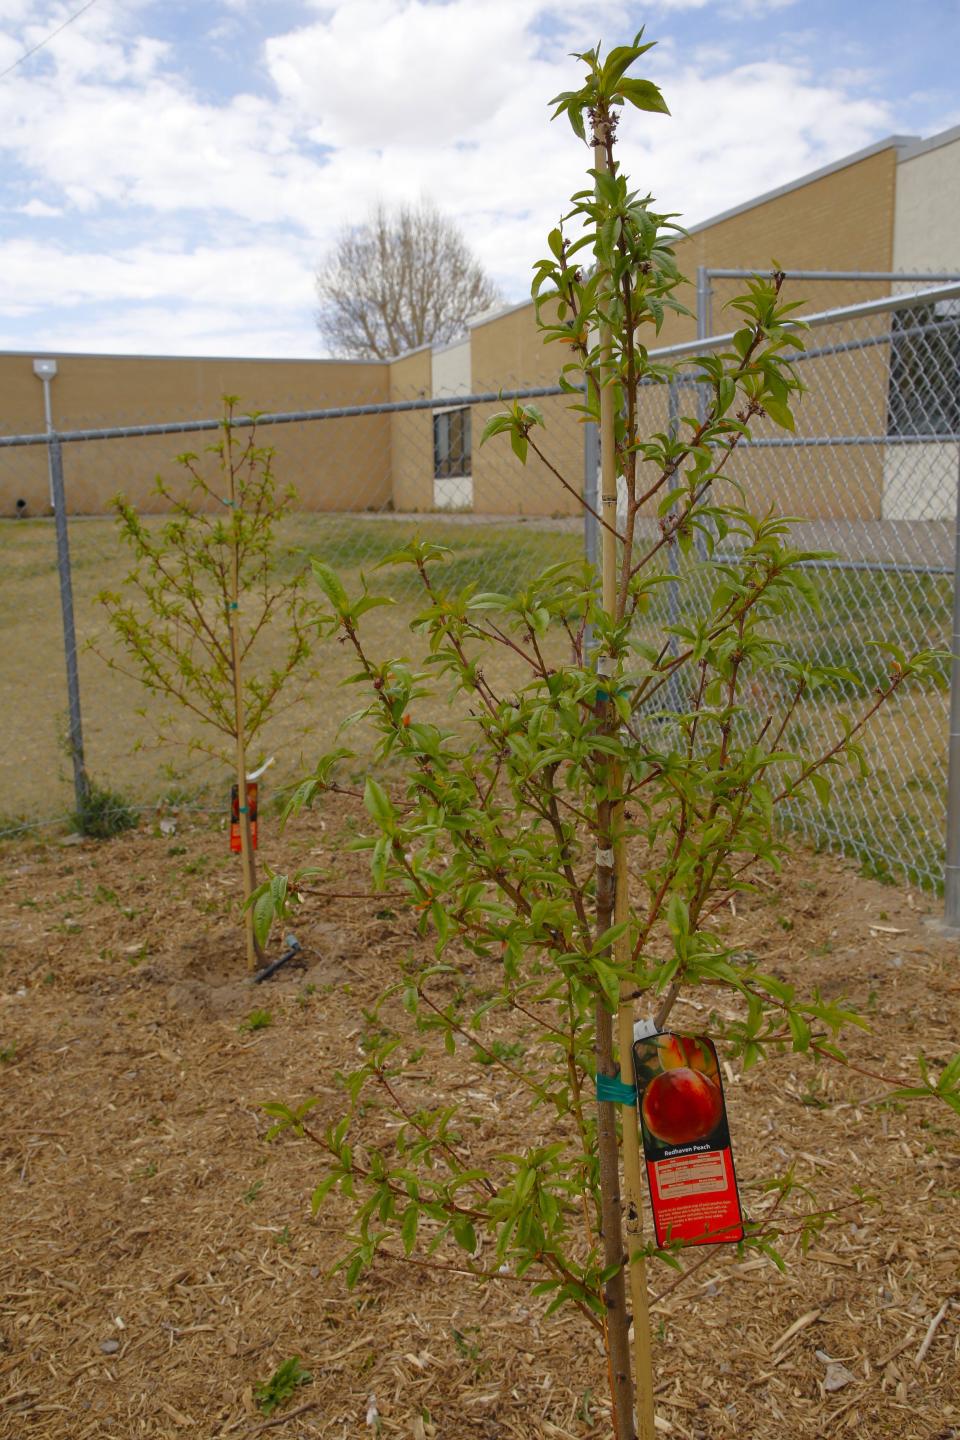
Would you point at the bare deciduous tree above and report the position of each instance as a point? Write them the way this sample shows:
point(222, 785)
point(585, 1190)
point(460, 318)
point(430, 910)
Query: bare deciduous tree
point(404, 278)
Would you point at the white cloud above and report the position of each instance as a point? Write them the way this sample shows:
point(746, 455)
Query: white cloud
point(728, 7)
point(429, 73)
point(231, 276)
point(169, 329)
point(199, 202)
point(39, 210)
point(14, 12)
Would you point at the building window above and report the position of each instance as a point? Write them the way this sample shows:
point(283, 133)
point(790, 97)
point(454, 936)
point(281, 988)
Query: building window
point(925, 370)
point(451, 443)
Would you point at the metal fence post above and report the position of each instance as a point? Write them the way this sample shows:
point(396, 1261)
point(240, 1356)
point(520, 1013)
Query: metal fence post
point(81, 785)
point(45, 371)
point(673, 550)
point(704, 318)
point(951, 873)
point(591, 537)
point(703, 302)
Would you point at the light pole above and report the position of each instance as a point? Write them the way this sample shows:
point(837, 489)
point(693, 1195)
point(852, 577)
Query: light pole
point(45, 370)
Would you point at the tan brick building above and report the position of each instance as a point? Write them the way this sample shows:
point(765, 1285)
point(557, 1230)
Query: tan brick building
point(892, 206)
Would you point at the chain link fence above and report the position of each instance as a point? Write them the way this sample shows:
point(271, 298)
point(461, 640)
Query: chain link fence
point(871, 475)
point(368, 477)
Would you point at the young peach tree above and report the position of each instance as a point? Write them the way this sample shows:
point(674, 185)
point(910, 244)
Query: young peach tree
point(206, 588)
point(569, 843)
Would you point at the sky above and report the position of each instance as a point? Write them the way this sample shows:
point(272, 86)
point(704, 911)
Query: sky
point(172, 172)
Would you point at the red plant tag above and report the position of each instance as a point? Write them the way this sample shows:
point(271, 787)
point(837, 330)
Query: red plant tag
point(686, 1142)
point(235, 843)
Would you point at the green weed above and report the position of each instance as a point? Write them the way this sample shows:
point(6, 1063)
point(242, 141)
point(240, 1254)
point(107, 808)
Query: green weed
point(256, 1020)
point(273, 1393)
point(508, 1051)
point(104, 814)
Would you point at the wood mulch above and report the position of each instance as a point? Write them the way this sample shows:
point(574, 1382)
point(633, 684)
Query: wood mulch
point(159, 1258)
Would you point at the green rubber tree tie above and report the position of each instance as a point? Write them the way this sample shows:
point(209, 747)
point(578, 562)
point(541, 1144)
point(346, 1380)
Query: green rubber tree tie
point(611, 1087)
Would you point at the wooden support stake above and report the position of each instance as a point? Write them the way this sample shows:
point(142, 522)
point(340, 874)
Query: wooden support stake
point(632, 1162)
point(642, 1353)
point(248, 863)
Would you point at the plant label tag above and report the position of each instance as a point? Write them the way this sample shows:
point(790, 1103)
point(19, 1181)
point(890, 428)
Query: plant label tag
point(236, 844)
point(686, 1141)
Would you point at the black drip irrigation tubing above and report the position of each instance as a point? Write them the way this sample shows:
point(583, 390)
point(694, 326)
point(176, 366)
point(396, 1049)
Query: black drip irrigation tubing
point(293, 948)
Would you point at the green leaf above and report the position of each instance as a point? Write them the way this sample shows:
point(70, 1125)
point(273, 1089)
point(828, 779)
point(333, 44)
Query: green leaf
point(821, 786)
point(619, 60)
point(263, 916)
point(322, 1191)
point(605, 942)
point(331, 586)
point(799, 1031)
point(377, 802)
point(379, 862)
point(496, 425)
point(644, 95)
point(371, 602)
point(678, 916)
point(609, 983)
point(780, 414)
point(408, 1228)
point(464, 1234)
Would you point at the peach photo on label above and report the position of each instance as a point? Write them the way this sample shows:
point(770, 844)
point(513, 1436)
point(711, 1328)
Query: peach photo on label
point(681, 1105)
point(690, 1051)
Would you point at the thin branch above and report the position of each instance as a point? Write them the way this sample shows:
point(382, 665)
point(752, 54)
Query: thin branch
point(578, 496)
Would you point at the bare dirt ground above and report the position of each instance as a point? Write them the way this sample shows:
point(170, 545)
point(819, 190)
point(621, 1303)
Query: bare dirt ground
point(159, 1258)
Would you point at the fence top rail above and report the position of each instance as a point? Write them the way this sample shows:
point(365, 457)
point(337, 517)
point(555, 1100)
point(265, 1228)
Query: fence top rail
point(885, 304)
point(284, 417)
point(913, 276)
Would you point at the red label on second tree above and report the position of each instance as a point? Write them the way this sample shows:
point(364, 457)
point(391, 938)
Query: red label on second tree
point(236, 844)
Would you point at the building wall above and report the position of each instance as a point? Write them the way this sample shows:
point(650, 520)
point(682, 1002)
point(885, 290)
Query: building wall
point(926, 233)
point(450, 369)
point(450, 376)
point(840, 220)
point(335, 465)
point(920, 481)
point(411, 433)
point(507, 350)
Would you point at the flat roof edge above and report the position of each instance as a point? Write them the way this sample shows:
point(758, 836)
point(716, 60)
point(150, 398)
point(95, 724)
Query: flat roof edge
point(403, 355)
point(892, 142)
point(40, 351)
point(497, 314)
point(457, 344)
point(920, 147)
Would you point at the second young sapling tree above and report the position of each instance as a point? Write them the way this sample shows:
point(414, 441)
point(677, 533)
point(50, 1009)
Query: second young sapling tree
point(206, 590)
